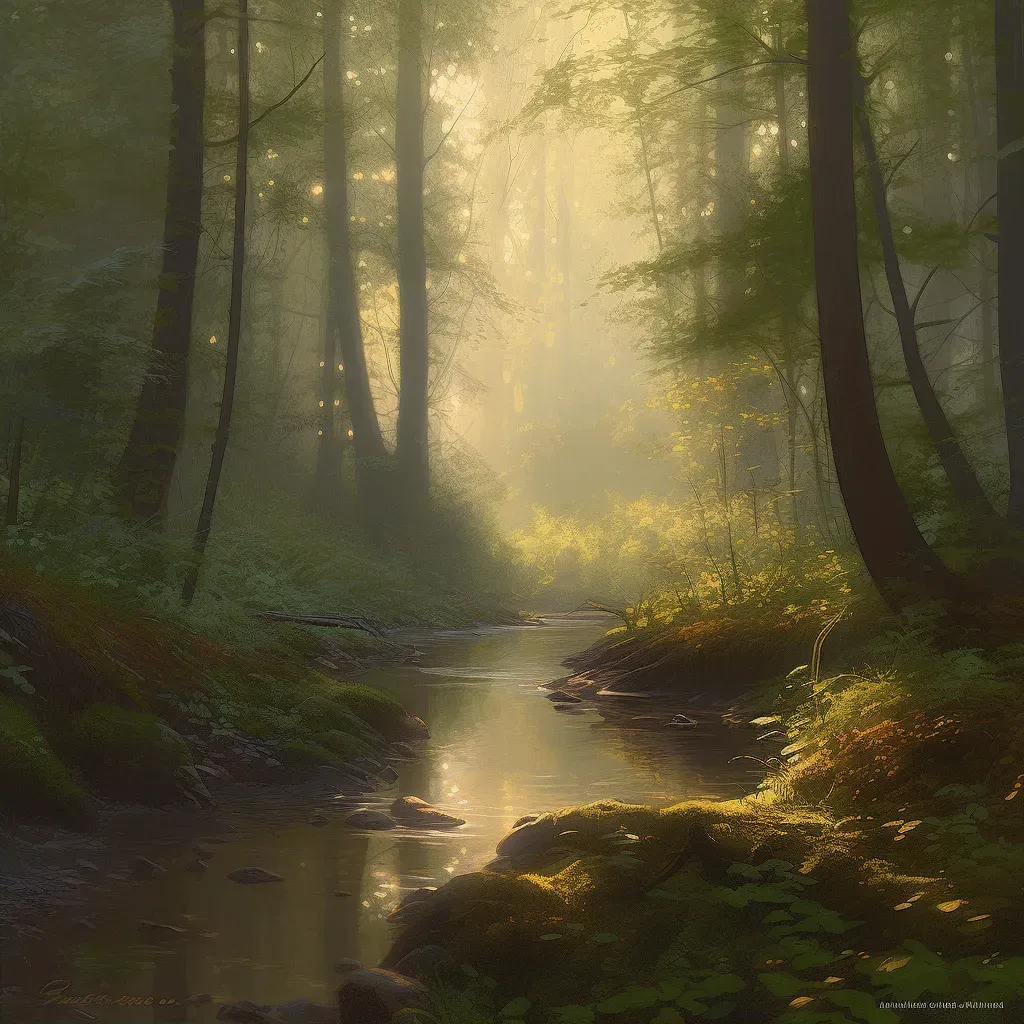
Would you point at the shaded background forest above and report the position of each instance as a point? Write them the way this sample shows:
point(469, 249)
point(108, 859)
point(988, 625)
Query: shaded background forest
point(571, 244)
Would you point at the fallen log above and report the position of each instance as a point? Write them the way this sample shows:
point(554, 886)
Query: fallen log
point(337, 621)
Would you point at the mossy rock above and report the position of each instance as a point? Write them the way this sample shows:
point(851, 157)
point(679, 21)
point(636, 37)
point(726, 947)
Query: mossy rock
point(131, 755)
point(378, 709)
point(33, 779)
point(320, 714)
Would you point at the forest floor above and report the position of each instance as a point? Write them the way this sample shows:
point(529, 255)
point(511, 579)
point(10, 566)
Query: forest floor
point(880, 864)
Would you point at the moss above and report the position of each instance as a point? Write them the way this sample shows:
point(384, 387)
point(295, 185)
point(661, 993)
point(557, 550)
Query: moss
point(130, 754)
point(32, 778)
point(378, 709)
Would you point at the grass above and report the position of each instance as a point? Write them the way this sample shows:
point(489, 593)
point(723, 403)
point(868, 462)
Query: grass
point(103, 696)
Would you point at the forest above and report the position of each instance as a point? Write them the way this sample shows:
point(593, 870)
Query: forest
point(406, 403)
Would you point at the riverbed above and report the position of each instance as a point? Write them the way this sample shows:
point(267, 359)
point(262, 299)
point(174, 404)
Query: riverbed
point(499, 749)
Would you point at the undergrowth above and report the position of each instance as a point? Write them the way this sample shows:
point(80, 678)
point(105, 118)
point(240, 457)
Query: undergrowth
point(878, 865)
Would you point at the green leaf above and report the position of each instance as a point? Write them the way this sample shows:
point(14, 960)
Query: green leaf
point(780, 984)
point(668, 1015)
point(516, 1008)
point(719, 1010)
point(573, 1014)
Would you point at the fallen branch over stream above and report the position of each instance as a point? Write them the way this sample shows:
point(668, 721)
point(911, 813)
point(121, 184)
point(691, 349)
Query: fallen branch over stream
point(336, 621)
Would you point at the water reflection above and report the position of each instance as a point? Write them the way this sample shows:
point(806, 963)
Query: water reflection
point(499, 750)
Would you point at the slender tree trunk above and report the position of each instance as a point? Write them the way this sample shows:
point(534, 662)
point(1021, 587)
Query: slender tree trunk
point(14, 478)
point(955, 464)
point(782, 117)
point(412, 452)
point(979, 118)
point(143, 476)
point(1010, 188)
point(895, 554)
point(220, 442)
point(343, 337)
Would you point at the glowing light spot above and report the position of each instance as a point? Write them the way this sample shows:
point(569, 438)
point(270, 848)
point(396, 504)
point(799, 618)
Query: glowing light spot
point(949, 56)
point(756, 151)
point(341, 366)
point(908, 230)
point(322, 363)
point(227, 177)
point(305, 220)
point(213, 339)
point(337, 401)
point(350, 432)
point(794, 143)
point(321, 403)
point(317, 190)
point(319, 433)
point(271, 181)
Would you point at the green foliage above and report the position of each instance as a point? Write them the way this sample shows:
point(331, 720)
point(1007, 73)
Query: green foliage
point(33, 779)
point(131, 754)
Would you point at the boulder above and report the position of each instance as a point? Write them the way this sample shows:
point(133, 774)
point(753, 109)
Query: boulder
point(415, 727)
point(318, 819)
point(245, 1012)
point(388, 774)
point(404, 751)
point(376, 820)
point(204, 851)
point(417, 813)
point(143, 867)
point(374, 996)
point(305, 1011)
point(682, 722)
point(253, 876)
point(530, 838)
point(561, 697)
point(423, 963)
point(525, 819)
point(347, 964)
point(417, 896)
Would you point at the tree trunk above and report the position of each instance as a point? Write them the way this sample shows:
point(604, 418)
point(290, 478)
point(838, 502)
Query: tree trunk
point(220, 442)
point(143, 476)
point(896, 556)
point(955, 464)
point(14, 479)
point(344, 331)
point(412, 455)
point(1010, 189)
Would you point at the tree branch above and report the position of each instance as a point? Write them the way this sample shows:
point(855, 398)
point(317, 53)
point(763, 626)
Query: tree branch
point(272, 108)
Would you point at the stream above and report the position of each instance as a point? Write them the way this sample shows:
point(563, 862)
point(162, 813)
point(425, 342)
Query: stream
point(498, 750)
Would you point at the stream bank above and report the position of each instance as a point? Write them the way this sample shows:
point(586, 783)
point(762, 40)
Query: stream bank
point(499, 749)
point(873, 878)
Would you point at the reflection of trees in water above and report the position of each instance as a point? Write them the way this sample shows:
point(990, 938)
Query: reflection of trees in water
point(683, 763)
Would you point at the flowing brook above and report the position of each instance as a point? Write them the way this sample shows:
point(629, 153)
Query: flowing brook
point(499, 750)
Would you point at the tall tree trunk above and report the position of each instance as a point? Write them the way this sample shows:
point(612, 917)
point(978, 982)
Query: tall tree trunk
point(955, 464)
point(412, 453)
point(143, 476)
point(344, 330)
point(14, 477)
point(895, 554)
point(220, 442)
point(1010, 188)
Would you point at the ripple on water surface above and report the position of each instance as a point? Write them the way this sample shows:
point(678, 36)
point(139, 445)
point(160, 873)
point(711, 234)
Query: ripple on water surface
point(498, 750)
